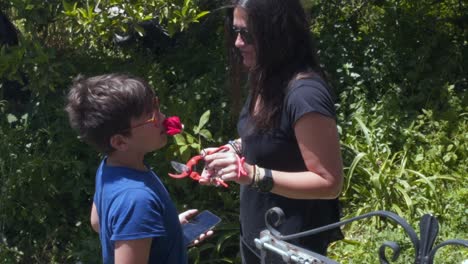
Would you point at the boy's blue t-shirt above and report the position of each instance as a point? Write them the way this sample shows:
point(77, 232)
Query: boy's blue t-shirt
point(134, 204)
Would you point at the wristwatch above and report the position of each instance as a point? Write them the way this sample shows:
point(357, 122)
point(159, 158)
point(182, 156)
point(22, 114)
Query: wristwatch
point(266, 183)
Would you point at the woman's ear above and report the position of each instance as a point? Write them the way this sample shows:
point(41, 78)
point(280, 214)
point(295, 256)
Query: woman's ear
point(119, 142)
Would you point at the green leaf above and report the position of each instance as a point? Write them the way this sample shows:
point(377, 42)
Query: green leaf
point(83, 12)
point(140, 30)
point(195, 146)
point(353, 166)
point(183, 149)
point(201, 14)
point(190, 139)
point(397, 209)
point(365, 130)
point(180, 140)
point(204, 119)
point(408, 201)
point(185, 7)
point(375, 179)
point(206, 134)
point(68, 7)
point(449, 147)
point(11, 118)
point(424, 179)
point(419, 157)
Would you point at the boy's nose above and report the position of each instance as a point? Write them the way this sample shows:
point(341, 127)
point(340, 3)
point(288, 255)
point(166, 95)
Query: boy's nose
point(161, 118)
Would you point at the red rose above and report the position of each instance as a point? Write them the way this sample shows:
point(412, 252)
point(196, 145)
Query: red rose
point(173, 125)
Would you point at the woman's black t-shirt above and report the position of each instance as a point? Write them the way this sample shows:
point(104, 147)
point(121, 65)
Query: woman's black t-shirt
point(277, 149)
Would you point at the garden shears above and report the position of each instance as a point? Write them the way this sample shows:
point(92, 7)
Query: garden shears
point(187, 170)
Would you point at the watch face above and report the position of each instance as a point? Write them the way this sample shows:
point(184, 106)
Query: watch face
point(266, 184)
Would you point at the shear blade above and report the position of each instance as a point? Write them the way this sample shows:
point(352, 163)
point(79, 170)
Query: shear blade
point(179, 167)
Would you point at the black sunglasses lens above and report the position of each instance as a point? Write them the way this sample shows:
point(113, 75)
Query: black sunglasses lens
point(245, 35)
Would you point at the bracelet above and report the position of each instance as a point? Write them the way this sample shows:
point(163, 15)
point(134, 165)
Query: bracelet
point(256, 177)
point(253, 175)
point(234, 146)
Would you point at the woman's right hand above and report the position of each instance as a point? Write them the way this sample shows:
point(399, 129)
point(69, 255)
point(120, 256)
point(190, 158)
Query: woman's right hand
point(224, 165)
point(208, 174)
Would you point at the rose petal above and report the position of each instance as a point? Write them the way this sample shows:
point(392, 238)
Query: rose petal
point(173, 125)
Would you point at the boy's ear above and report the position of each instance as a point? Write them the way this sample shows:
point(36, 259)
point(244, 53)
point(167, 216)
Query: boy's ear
point(119, 142)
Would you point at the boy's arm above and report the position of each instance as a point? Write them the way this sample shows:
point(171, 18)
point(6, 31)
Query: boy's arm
point(94, 218)
point(132, 251)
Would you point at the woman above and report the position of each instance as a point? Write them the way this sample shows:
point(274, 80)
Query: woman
point(287, 128)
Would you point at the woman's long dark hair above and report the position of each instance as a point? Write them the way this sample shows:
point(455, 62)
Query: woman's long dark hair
point(284, 51)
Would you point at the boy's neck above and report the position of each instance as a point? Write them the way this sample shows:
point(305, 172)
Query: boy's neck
point(118, 159)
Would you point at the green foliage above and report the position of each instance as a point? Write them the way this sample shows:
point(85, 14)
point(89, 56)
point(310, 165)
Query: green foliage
point(103, 19)
point(186, 144)
point(398, 69)
point(225, 242)
point(43, 195)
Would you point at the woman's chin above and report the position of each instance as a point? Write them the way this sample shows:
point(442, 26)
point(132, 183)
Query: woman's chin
point(248, 63)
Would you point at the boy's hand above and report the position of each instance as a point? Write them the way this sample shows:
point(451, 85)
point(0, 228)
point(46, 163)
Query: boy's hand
point(184, 218)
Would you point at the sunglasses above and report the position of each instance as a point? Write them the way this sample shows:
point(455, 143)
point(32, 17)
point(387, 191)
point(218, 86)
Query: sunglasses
point(154, 118)
point(244, 33)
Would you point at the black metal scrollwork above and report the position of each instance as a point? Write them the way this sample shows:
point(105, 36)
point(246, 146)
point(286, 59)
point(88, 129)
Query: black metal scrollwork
point(424, 246)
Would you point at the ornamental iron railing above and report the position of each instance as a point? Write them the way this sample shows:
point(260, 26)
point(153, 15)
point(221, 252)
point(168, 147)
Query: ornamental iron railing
point(271, 241)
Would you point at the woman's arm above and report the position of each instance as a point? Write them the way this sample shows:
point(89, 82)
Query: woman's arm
point(318, 141)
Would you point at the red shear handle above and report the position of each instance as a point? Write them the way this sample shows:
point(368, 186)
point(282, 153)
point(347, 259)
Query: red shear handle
point(218, 150)
point(221, 182)
point(195, 175)
point(190, 164)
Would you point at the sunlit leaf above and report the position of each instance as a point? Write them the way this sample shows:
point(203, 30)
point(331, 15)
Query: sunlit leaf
point(204, 119)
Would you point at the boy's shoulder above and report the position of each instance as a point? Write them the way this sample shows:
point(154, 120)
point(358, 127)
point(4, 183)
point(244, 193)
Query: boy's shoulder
point(121, 177)
point(121, 194)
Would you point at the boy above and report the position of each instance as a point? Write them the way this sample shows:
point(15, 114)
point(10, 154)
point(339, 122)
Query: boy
point(136, 220)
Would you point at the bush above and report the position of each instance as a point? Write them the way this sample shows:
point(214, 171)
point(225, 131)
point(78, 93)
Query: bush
point(397, 68)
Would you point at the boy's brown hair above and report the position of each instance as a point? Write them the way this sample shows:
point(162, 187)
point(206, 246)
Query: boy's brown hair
point(102, 106)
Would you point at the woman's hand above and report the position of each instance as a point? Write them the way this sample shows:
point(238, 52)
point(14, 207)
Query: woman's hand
point(227, 166)
point(185, 217)
point(208, 175)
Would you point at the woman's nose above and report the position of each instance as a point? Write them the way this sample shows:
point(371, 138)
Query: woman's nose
point(239, 42)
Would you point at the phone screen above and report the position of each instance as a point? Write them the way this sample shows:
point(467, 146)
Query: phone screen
point(198, 225)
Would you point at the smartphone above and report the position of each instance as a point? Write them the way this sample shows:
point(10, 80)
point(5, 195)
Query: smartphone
point(200, 224)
